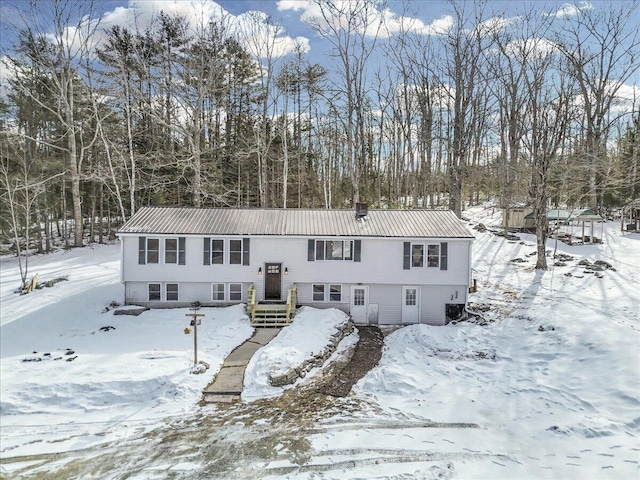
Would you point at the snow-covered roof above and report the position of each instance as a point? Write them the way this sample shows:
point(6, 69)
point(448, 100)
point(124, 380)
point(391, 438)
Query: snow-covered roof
point(296, 222)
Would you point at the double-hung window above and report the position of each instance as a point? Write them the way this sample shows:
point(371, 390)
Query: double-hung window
point(335, 293)
point(321, 250)
point(149, 250)
point(318, 293)
point(235, 252)
point(171, 250)
point(217, 292)
point(217, 252)
point(433, 256)
point(155, 292)
point(436, 255)
point(238, 251)
point(153, 250)
point(235, 292)
point(172, 292)
point(417, 255)
point(174, 250)
point(326, 293)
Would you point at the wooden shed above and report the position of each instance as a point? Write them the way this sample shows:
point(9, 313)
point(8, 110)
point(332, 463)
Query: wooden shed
point(513, 217)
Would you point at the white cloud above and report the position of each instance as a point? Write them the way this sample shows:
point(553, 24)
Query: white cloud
point(495, 24)
point(139, 15)
point(530, 47)
point(397, 23)
point(374, 22)
point(626, 99)
point(263, 38)
point(6, 74)
point(570, 9)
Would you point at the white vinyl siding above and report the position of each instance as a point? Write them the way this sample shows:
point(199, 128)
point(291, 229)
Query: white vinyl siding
point(380, 267)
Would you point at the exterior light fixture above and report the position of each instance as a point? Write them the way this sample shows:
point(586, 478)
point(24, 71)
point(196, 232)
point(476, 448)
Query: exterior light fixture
point(286, 271)
point(260, 271)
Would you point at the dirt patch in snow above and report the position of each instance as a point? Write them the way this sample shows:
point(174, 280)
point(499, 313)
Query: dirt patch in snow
point(365, 357)
point(314, 400)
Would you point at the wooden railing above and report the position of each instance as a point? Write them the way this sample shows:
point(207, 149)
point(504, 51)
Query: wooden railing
point(272, 315)
point(251, 302)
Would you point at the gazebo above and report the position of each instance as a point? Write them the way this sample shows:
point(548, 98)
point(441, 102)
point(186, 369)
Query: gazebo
point(630, 220)
point(555, 215)
point(592, 217)
point(568, 217)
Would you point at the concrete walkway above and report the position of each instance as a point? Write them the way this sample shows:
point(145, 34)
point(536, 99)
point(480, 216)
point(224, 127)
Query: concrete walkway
point(227, 386)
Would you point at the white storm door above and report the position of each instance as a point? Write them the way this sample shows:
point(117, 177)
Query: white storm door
point(410, 304)
point(359, 305)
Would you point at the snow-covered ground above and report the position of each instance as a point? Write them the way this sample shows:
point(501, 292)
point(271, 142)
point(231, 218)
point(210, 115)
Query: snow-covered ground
point(549, 387)
point(290, 348)
point(125, 372)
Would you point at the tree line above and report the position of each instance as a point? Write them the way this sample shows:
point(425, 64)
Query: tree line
point(101, 121)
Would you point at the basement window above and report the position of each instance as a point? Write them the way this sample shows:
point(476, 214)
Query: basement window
point(154, 292)
point(318, 293)
point(235, 292)
point(217, 292)
point(172, 292)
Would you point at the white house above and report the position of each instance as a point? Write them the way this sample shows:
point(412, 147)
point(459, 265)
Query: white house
point(381, 266)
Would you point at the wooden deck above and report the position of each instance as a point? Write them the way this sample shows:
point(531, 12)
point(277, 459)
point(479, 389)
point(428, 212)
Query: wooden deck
point(271, 314)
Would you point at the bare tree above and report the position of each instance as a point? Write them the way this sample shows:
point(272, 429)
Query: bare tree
point(548, 116)
point(463, 71)
point(353, 34)
point(602, 47)
point(61, 54)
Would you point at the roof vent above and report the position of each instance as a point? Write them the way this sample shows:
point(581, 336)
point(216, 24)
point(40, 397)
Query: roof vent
point(361, 210)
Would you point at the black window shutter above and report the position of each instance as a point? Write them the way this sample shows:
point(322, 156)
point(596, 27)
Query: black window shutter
point(142, 250)
point(357, 246)
point(181, 250)
point(207, 251)
point(246, 249)
point(311, 256)
point(444, 247)
point(407, 256)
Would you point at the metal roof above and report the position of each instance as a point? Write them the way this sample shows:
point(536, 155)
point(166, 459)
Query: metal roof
point(295, 222)
point(566, 215)
point(553, 214)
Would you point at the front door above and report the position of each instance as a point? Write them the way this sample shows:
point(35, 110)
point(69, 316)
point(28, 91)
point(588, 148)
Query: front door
point(273, 281)
point(359, 305)
point(410, 304)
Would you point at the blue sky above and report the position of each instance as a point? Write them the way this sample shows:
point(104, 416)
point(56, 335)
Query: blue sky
point(286, 12)
point(426, 16)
